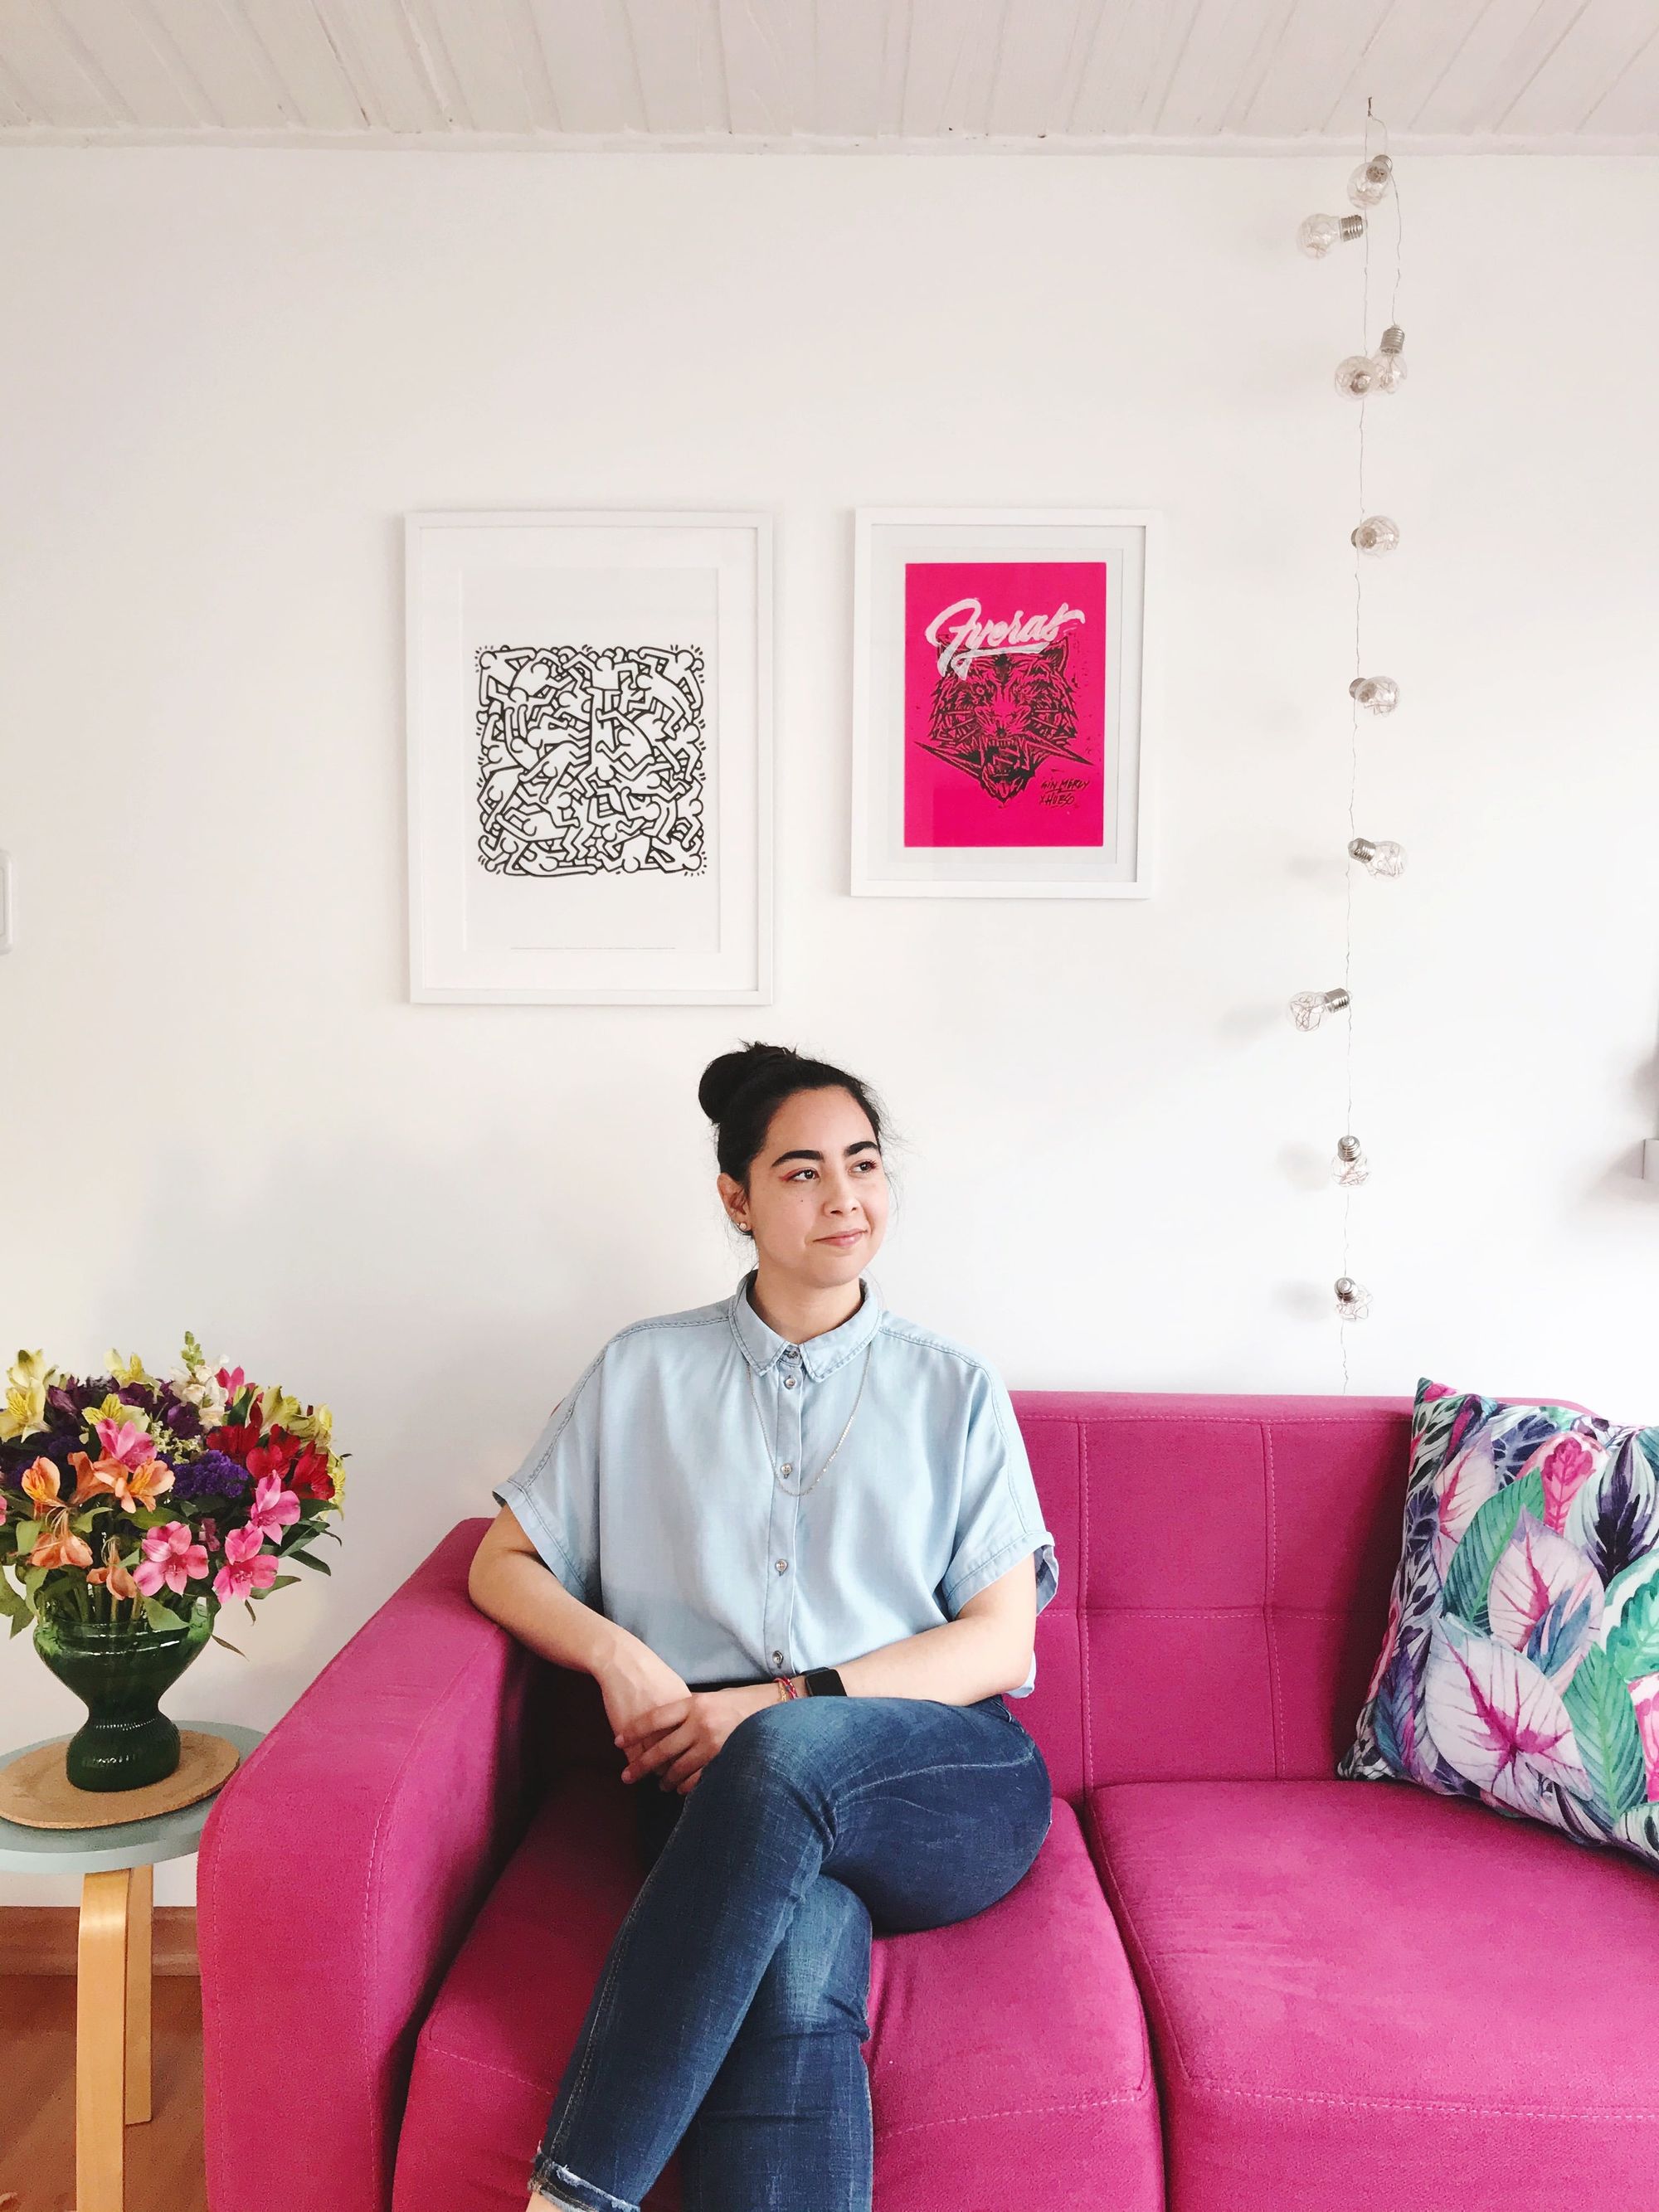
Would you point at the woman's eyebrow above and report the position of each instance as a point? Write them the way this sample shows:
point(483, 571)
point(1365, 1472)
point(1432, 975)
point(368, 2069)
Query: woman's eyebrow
point(864, 1145)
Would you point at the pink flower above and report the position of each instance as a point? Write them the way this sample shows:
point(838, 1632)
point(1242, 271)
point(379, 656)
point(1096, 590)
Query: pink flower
point(172, 1556)
point(1644, 1696)
point(244, 1571)
point(3, 1512)
point(125, 1440)
point(273, 1507)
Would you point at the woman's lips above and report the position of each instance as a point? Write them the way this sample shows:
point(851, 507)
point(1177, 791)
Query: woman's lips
point(852, 1237)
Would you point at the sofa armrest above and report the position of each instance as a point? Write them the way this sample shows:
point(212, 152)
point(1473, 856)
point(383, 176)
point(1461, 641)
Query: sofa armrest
point(341, 1866)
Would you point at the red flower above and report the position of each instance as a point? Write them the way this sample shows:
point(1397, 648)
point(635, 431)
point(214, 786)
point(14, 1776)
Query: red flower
point(273, 1456)
point(311, 1477)
point(236, 1440)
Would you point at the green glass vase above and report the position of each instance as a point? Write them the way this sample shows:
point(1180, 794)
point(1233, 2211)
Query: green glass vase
point(120, 1671)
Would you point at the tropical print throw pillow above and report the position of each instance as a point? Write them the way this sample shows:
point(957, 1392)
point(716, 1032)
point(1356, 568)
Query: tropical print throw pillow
point(1521, 1664)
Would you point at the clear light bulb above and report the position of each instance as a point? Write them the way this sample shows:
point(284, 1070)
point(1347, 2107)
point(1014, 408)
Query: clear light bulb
point(1320, 233)
point(1377, 694)
point(1309, 1008)
point(1390, 360)
point(1355, 376)
point(1378, 533)
point(1383, 857)
point(1350, 1166)
point(1353, 1300)
point(1370, 180)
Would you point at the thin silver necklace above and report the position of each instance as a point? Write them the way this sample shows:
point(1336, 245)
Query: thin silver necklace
point(788, 1489)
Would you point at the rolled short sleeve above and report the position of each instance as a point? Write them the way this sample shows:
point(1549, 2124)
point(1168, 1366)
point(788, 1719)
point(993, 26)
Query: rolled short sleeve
point(1000, 1519)
point(555, 1492)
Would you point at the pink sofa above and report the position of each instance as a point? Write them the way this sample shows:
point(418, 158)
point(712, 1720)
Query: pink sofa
point(1230, 1982)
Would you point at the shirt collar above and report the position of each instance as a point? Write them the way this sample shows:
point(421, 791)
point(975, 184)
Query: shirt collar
point(819, 1356)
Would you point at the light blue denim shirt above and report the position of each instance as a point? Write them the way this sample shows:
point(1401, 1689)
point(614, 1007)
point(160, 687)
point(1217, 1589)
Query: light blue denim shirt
point(653, 1491)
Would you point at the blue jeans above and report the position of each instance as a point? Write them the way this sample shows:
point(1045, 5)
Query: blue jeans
point(730, 2007)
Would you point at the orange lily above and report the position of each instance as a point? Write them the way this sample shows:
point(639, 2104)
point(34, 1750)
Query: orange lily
point(121, 1583)
point(147, 1482)
point(91, 1480)
point(132, 1486)
point(60, 1547)
point(41, 1482)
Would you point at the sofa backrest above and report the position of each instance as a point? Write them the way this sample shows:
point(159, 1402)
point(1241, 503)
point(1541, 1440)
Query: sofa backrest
point(1225, 1570)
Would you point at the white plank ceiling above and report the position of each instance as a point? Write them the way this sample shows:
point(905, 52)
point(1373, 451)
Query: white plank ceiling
point(1036, 76)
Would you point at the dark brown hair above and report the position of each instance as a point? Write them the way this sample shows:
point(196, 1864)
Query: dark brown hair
point(740, 1092)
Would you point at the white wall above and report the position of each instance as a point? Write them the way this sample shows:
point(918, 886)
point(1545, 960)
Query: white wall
point(228, 375)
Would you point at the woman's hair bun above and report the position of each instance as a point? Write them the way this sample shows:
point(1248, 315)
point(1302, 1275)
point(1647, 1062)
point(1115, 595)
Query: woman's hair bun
point(726, 1075)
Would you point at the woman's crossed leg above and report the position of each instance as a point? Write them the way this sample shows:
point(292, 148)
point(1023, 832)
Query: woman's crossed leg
point(739, 1975)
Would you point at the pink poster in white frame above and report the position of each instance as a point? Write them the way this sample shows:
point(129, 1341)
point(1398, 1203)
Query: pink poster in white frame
point(1001, 709)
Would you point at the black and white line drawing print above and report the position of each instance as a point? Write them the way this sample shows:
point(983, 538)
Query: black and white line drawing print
point(591, 760)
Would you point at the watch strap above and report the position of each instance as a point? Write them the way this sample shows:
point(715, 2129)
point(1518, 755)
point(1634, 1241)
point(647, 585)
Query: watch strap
point(823, 1682)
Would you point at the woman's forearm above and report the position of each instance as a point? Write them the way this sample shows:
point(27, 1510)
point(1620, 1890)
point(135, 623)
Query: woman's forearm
point(958, 1662)
point(527, 1598)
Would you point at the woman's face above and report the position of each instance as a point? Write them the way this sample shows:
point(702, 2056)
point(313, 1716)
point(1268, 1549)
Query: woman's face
point(820, 1177)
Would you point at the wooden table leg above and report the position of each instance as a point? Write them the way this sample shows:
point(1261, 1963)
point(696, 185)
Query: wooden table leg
point(100, 2041)
point(141, 1898)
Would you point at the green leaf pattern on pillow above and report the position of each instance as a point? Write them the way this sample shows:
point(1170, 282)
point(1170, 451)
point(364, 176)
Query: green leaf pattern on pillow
point(1521, 1662)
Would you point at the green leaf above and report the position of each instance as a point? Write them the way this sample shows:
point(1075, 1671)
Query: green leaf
point(1633, 1646)
point(1469, 1576)
point(28, 1535)
point(217, 1639)
point(162, 1616)
point(304, 1559)
point(248, 1602)
point(1604, 1722)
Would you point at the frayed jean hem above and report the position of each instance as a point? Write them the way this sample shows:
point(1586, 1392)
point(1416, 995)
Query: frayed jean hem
point(566, 2189)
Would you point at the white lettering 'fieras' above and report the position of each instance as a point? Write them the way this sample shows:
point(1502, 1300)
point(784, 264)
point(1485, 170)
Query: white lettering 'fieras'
point(970, 638)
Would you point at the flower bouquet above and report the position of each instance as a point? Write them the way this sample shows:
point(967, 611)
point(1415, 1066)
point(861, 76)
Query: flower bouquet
point(133, 1510)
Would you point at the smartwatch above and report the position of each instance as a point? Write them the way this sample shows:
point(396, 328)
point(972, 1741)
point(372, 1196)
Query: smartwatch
point(823, 1682)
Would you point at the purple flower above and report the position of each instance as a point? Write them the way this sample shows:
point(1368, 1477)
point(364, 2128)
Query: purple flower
point(214, 1474)
point(180, 1416)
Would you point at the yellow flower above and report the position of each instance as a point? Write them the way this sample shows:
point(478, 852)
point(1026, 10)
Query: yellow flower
point(337, 1476)
point(316, 1427)
point(280, 1411)
point(131, 1370)
point(116, 1408)
point(25, 1409)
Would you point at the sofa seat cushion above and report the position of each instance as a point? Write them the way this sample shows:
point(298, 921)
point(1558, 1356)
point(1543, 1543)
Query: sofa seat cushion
point(1365, 1998)
point(1009, 2050)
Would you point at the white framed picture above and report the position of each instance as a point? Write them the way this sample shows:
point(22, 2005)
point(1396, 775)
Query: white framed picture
point(590, 757)
point(1002, 707)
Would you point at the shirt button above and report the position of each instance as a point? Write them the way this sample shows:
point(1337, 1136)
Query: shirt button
point(789, 1382)
point(788, 1467)
point(777, 1658)
point(783, 1566)
point(792, 1352)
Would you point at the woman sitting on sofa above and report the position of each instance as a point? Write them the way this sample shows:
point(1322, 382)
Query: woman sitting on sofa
point(789, 1496)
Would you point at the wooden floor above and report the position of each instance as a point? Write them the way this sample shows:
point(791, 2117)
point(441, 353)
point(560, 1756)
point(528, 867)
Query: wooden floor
point(37, 2102)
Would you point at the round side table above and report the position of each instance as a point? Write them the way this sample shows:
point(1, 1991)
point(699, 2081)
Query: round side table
point(113, 1962)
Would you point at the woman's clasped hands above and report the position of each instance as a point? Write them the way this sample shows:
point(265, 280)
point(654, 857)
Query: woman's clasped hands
point(675, 1736)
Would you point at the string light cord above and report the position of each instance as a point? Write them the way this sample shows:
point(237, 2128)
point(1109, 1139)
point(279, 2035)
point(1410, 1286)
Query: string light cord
point(1361, 377)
